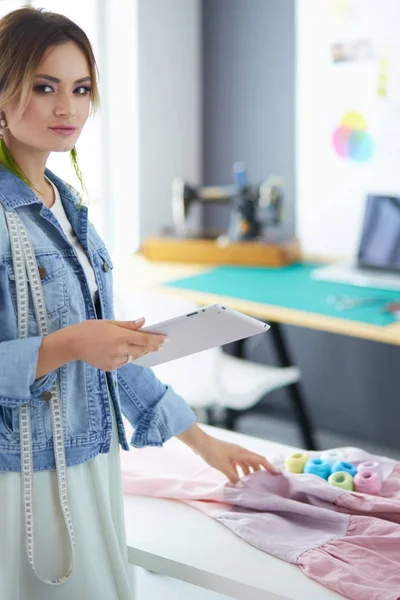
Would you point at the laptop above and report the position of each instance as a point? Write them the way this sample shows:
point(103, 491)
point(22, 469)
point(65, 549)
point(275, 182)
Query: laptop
point(378, 258)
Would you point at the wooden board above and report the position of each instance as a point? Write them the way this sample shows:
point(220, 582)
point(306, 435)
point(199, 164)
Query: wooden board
point(210, 252)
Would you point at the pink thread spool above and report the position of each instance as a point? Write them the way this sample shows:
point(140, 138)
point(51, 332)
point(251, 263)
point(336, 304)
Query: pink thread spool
point(367, 482)
point(370, 465)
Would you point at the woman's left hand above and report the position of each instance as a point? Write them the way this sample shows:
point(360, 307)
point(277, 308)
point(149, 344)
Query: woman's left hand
point(227, 458)
point(224, 456)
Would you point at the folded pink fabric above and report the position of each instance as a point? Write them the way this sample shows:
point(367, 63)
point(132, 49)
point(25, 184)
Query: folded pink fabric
point(348, 542)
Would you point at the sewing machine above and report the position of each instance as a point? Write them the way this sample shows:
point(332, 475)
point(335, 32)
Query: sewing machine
point(250, 238)
point(253, 208)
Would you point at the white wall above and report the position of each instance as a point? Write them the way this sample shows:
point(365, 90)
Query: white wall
point(331, 190)
point(169, 101)
point(119, 98)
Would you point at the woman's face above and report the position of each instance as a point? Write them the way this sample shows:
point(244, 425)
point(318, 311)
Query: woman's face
point(60, 99)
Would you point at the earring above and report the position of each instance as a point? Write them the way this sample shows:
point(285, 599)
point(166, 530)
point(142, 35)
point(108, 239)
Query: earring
point(3, 123)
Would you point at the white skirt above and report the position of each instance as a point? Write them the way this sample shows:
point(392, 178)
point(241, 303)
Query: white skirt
point(97, 511)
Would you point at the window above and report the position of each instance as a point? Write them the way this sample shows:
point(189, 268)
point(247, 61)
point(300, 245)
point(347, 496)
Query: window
point(107, 148)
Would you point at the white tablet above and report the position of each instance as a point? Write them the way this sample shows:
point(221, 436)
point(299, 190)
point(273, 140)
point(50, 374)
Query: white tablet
point(205, 328)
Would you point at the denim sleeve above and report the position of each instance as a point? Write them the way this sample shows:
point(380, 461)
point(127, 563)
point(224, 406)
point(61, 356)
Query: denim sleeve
point(18, 361)
point(155, 411)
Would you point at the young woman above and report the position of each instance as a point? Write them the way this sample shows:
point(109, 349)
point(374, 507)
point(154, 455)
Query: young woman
point(65, 363)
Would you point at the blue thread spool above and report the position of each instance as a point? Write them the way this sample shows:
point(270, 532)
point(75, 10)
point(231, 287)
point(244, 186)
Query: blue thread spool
point(317, 466)
point(344, 466)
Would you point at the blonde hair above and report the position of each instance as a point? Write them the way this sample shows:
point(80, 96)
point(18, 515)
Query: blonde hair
point(25, 35)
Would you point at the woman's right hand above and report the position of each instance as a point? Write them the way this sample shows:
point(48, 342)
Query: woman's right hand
point(106, 344)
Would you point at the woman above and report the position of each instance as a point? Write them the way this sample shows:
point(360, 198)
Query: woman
point(65, 363)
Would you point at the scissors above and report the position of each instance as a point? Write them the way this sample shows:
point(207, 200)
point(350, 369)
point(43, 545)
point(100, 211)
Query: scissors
point(345, 302)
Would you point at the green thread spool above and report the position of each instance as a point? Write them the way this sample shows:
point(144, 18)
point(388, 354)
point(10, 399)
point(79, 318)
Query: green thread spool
point(342, 479)
point(295, 462)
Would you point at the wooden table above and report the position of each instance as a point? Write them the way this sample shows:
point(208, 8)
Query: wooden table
point(152, 275)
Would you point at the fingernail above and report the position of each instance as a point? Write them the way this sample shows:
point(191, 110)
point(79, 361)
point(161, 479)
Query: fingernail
point(166, 341)
point(141, 320)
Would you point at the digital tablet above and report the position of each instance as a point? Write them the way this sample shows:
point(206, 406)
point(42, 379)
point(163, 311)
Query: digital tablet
point(205, 328)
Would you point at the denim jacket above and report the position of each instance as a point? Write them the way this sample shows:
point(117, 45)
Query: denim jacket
point(154, 409)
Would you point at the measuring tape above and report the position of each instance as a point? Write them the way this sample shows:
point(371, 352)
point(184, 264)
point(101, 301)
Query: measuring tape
point(24, 262)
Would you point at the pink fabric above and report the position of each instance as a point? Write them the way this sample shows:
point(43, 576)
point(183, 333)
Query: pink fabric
point(385, 506)
point(391, 487)
point(299, 518)
point(364, 565)
point(283, 515)
point(173, 472)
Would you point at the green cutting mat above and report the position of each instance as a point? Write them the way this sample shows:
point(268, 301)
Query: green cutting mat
point(290, 287)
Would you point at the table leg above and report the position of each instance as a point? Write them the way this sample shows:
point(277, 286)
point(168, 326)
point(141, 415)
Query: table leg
point(296, 396)
point(295, 393)
point(231, 415)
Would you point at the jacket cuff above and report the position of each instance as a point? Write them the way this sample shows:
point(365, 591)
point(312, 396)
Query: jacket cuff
point(18, 363)
point(168, 418)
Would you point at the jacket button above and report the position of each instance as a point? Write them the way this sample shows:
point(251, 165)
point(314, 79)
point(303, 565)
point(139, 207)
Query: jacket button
point(42, 272)
point(47, 395)
point(105, 267)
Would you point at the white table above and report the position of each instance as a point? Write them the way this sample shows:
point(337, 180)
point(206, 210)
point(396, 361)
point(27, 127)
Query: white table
point(174, 539)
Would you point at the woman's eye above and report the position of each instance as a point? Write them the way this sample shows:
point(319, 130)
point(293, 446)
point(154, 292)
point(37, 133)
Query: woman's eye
point(83, 90)
point(44, 88)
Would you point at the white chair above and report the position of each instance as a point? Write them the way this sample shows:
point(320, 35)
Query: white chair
point(211, 381)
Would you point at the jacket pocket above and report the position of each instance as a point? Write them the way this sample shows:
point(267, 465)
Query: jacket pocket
point(105, 259)
point(6, 424)
point(105, 267)
point(54, 283)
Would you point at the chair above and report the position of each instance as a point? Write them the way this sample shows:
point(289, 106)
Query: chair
point(213, 380)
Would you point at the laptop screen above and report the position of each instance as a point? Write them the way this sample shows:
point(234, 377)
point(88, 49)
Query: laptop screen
point(380, 238)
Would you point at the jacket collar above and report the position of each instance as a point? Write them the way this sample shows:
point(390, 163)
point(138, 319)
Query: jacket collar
point(14, 193)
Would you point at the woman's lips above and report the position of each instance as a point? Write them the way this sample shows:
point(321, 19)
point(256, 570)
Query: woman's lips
point(65, 131)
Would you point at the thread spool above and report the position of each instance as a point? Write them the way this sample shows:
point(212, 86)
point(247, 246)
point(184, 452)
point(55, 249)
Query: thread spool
point(342, 479)
point(295, 462)
point(371, 465)
point(368, 482)
point(344, 466)
point(333, 456)
point(317, 466)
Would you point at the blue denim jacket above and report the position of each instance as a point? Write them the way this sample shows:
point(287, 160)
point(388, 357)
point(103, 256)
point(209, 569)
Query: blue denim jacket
point(154, 409)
